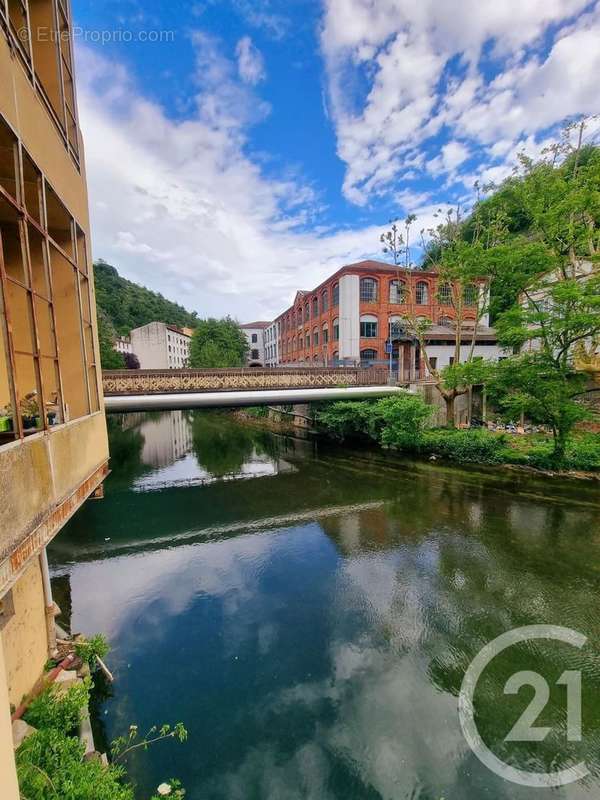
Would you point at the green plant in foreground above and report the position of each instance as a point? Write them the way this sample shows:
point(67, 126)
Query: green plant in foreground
point(123, 745)
point(54, 710)
point(89, 649)
point(50, 766)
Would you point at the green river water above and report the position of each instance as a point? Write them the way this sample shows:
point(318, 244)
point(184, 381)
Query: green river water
point(309, 611)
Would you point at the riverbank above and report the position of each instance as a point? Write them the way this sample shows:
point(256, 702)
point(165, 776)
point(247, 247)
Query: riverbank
point(360, 423)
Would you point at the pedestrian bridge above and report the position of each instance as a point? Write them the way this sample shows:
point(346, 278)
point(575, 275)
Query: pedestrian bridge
point(146, 390)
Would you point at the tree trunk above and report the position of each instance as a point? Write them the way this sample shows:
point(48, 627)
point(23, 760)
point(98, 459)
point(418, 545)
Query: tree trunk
point(450, 423)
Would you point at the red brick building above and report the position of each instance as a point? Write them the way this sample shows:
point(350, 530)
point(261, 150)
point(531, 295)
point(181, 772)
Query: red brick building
point(348, 317)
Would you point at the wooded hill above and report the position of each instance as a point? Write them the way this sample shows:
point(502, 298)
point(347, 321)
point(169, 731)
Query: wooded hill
point(126, 305)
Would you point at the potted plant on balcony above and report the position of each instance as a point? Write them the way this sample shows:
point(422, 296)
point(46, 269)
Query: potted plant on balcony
point(6, 419)
point(30, 411)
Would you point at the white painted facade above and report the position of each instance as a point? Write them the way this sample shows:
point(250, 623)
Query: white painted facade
point(123, 345)
point(349, 318)
point(255, 334)
point(272, 345)
point(160, 346)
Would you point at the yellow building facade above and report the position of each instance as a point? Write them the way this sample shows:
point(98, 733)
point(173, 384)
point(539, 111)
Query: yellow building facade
point(53, 444)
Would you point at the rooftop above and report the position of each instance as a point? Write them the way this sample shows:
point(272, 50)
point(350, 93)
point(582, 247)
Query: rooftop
point(260, 324)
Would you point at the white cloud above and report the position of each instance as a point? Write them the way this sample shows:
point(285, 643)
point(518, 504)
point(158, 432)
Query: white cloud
point(179, 206)
point(423, 67)
point(251, 66)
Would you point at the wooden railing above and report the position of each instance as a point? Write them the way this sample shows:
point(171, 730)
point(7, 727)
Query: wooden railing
point(150, 381)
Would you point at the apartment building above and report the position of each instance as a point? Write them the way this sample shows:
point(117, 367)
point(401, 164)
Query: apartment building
point(255, 334)
point(161, 346)
point(272, 345)
point(123, 345)
point(53, 443)
point(358, 316)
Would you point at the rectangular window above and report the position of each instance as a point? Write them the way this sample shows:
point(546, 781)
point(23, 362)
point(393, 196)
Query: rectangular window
point(368, 330)
point(316, 338)
point(325, 336)
point(48, 368)
point(254, 338)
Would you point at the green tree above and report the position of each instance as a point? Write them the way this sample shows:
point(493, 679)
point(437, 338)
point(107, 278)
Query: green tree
point(109, 358)
point(218, 343)
point(557, 317)
point(127, 305)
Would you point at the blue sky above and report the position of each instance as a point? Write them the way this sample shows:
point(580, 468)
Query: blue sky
point(262, 144)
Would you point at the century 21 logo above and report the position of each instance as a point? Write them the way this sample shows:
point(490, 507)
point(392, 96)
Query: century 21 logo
point(525, 729)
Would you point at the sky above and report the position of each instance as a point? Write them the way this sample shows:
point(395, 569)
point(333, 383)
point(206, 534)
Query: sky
point(239, 150)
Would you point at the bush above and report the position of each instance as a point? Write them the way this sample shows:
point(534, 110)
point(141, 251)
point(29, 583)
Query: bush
point(584, 453)
point(478, 446)
point(49, 766)
point(88, 649)
point(402, 419)
point(347, 419)
point(57, 711)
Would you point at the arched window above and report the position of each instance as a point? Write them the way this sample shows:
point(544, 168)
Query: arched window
point(307, 341)
point(471, 294)
point(325, 333)
point(368, 326)
point(446, 322)
point(336, 294)
point(368, 290)
point(315, 306)
point(324, 301)
point(368, 355)
point(307, 312)
point(422, 293)
point(336, 330)
point(445, 295)
point(397, 291)
point(316, 337)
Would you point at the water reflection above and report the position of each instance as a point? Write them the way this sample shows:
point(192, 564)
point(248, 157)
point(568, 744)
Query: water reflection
point(312, 626)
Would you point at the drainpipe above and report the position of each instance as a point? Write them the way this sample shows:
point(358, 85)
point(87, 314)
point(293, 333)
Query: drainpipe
point(49, 606)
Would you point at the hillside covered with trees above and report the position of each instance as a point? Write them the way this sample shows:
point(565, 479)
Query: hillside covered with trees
point(125, 305)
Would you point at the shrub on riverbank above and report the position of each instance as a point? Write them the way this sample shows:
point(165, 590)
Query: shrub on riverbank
point(401, 422)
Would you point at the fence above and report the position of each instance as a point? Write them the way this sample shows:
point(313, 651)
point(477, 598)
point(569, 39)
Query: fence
point(148, 381)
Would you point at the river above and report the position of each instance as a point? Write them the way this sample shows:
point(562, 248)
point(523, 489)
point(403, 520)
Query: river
point(309, 611)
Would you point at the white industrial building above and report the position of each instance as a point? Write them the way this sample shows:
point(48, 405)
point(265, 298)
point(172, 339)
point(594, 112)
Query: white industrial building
point(255, 334)
point(272, 345)
point(161, 346)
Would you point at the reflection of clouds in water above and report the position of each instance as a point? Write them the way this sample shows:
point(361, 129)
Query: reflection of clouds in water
point(187, 472)
point(269, 775)
point(112, 596)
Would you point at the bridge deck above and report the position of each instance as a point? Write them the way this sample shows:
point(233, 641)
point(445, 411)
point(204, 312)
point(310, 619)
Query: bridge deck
point(151, 382)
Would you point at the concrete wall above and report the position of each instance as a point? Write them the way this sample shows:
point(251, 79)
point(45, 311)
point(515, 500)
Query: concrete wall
point(433, 397)
point(8, 775)
point(443, 353)
point(149, 343)
point(38, 473)
point(24, 638)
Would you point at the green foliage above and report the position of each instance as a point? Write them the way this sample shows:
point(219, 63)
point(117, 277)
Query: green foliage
point(218, 343)
point(397, 420)
point(347, 419)
point(50, 767)
point(123, 745)
point(89, 649)
point(260, 412)
point(403, 419)
point(109, 358)
point(127, 305)
point(59, 711)
point(460, 376)
point(464, 446)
